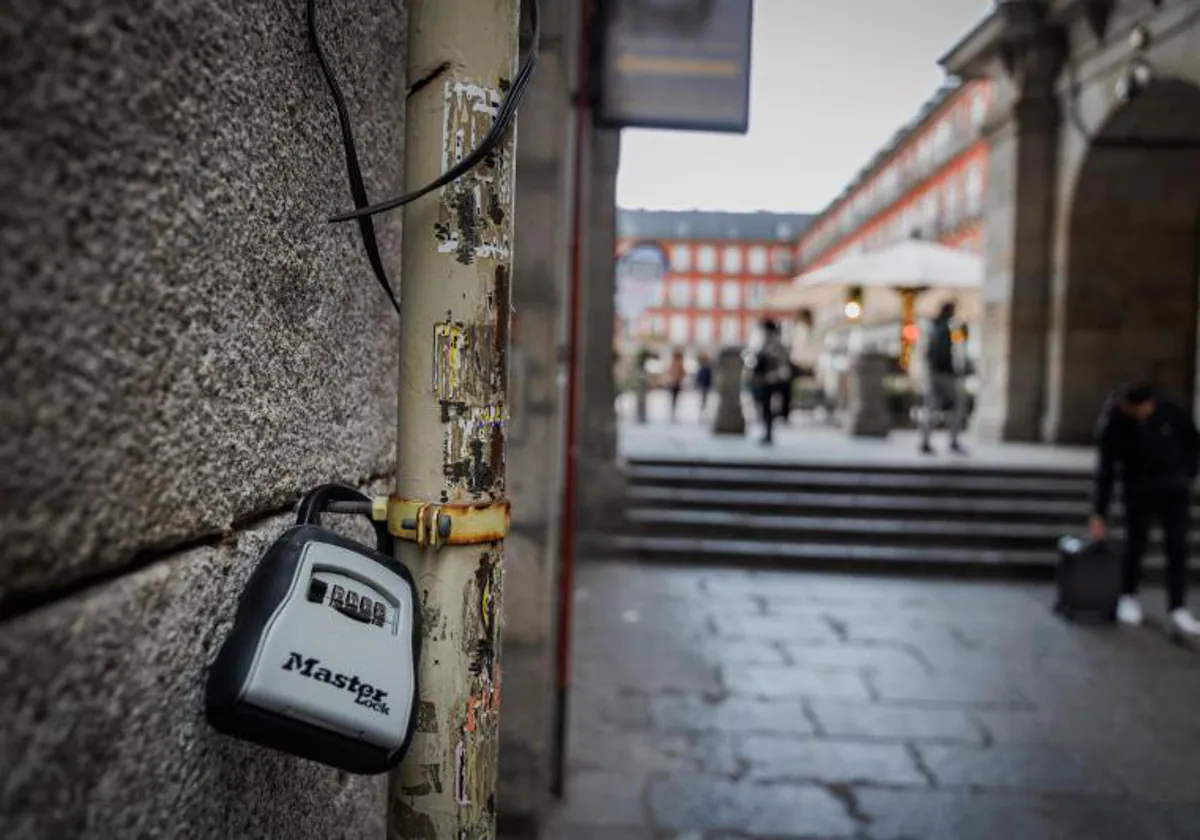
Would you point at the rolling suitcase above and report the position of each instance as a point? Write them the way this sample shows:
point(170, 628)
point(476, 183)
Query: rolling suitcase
point(1089, 581)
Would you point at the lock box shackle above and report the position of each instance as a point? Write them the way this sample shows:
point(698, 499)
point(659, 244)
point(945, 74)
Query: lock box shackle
point(308, 512)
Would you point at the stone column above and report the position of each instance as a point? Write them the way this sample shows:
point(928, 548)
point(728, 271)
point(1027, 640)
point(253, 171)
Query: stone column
point(541, 268)
point(601, 482)
point(1019, 242)
point(868, 414)
point(729, 418)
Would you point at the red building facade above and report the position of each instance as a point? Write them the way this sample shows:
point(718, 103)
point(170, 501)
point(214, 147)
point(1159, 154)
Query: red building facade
point(929, 182)
point(723, 266)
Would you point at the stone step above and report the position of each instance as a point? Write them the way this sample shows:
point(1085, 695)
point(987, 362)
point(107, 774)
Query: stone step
point(860, 504)
point(718, 524)
point(841, 557)
point(865, 505)
point(908, 483)
point(963, 466)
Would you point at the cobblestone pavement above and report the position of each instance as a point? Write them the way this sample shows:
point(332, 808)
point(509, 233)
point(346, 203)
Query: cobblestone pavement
point(720, 704)
point(810, 440)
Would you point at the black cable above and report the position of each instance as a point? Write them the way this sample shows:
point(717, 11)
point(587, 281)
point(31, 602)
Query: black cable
point(504, 117)
point(357, 188)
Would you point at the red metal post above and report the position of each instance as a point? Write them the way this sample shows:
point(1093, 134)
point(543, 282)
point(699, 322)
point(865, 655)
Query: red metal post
point(574, 296)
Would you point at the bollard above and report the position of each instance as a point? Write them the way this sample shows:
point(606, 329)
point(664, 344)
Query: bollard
point(641, 389)
point(868, 412)
point(729, 418)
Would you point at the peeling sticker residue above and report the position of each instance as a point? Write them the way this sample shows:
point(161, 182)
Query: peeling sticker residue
point(460, 772)
point(463, 362)
point(469, 373)
point(449, 346)
point(473, 215)
point(472, 437)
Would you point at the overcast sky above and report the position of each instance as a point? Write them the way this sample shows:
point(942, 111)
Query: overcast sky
point(831, 81)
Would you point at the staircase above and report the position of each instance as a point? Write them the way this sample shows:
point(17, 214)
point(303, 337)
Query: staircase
point(977, 520)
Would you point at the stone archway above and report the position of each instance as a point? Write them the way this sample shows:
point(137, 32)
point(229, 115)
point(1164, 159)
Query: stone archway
point(1128, 308)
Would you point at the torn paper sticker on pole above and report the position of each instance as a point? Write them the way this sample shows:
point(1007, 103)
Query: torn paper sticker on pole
point(474, 214)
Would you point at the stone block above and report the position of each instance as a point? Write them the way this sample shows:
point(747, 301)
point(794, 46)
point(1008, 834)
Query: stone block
point(779, 628)
point(830, 761)
point(103, 732)
point(704, 803)
point(688, 713)
point(851, 657)
point(1040, 768)
point(893, 723)
point(948, 689)
point(652, 751)
point(768, 682)
point(186, 341)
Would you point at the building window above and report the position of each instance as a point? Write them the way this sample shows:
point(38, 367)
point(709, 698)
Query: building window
point(732, 260)
point(941, 141)
point(660, 326)
point(781, 261)
point(925, 152)
point(705, 332)
point(950, 204)
point(706, 258)
point(681, 258)
point(706, 294)
point(679, 329)
point(681, 294)
point(978, 110)
point(731, 295)
point(755, 293)
point(756, 260)
point(659, 293)
point(974, 190)
point(929, 212)
point(889, 184)
point(731, 330)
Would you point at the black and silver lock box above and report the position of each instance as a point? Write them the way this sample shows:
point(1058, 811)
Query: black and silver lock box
point(321, 661)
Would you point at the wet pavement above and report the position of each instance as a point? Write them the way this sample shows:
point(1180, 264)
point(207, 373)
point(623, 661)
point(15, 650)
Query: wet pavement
point(714, 704)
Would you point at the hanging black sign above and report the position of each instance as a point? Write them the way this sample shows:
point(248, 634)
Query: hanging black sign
point(675, 64)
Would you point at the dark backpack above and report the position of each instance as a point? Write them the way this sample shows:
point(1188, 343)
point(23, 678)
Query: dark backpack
point(941, 348)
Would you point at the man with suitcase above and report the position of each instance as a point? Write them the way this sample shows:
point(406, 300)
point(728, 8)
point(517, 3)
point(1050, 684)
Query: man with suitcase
point(1154, 444)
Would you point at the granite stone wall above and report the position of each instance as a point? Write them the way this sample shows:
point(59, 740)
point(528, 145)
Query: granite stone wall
point(185, 345)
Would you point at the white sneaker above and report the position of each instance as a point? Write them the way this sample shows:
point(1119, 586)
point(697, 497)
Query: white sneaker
point(1185, 622)
point(1129, 611)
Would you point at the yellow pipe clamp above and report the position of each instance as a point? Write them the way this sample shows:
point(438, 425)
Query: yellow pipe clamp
point(433, 525)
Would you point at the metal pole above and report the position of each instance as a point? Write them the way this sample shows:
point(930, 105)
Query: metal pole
point(566, 573)
point(455, 320)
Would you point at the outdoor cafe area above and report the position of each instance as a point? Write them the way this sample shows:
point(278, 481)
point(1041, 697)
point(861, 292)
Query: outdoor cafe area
point(862, 315)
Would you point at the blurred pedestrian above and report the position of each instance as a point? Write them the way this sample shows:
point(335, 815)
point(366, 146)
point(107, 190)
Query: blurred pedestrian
point(1153, 443)
point(704, 381)
point(940, 371)
point(772, 374)
point(676, 373)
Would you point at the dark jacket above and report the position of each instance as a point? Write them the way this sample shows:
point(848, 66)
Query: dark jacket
point(941, 347)
point(1159, 456)
point(772, 366)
